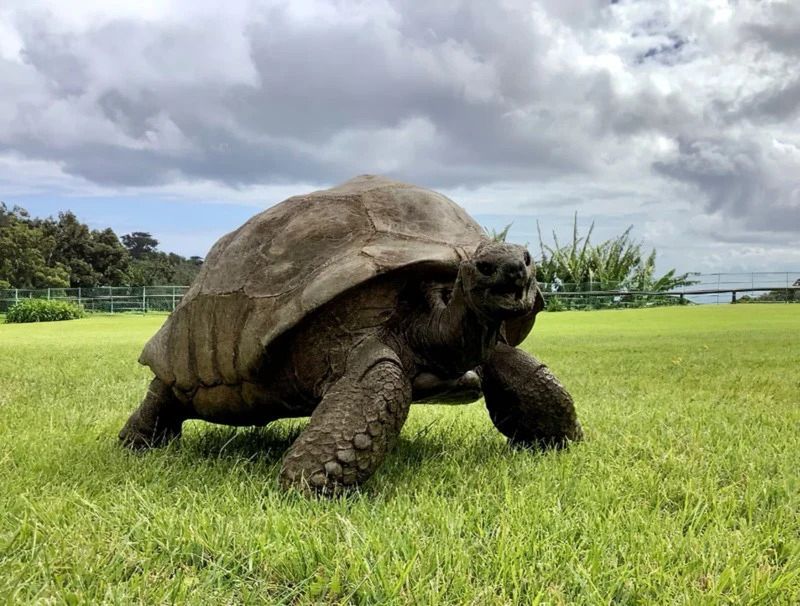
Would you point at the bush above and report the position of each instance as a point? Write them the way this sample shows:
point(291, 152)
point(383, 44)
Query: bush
point(42, 310)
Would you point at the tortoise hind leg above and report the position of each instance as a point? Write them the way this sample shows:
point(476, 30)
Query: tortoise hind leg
point(354, 425)
point(526, 402)
point(156, 422)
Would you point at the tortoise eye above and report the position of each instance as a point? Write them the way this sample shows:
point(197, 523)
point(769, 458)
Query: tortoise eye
point(485, 267)
point(527, 258)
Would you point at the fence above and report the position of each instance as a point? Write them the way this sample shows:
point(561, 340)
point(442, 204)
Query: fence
point(753, 285)
point(757, 287)
point(706, 288)
point(109, 299)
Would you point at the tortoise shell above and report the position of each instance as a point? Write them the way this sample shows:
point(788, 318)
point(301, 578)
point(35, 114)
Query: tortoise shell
point(286, 262)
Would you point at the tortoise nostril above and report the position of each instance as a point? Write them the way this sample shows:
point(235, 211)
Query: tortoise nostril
point(515, 270)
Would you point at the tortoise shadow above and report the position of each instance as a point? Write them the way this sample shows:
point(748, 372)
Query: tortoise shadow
point(259, 450)
point(263, 444)
point(263, 447)
point(268, 444)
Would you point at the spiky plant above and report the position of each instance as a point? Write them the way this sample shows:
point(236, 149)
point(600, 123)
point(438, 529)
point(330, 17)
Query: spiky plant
point(616, 263)
point(498, 236)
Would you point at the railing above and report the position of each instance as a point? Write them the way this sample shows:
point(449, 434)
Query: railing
point(595, 299)
point(707, 288)
point(722, 286)
point(760, 287)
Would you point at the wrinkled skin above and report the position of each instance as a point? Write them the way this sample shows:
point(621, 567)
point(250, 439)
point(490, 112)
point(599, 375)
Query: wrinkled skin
point(356, 365)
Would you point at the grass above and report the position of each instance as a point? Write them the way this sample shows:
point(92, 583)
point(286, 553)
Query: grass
point(686, 491)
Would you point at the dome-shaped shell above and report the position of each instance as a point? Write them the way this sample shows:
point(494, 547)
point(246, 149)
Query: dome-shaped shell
point(262, 279)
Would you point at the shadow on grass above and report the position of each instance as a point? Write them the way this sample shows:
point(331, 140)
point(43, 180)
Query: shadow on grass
point(268, 444)
point(264, 444)
point(217, 454)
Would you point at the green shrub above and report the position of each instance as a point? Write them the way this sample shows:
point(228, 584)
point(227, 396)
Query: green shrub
point(42, 310)
point(554, 303)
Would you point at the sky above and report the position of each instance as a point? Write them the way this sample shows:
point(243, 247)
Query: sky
point(184, 118)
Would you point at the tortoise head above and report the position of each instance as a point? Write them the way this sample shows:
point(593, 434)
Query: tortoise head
point(499, 280)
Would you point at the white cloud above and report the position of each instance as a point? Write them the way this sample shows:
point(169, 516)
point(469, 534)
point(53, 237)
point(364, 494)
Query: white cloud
point(680, 115)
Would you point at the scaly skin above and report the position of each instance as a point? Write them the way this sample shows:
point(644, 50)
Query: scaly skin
point(354, 426)
point(526, 402)
point(157, 421)
point(357, 362)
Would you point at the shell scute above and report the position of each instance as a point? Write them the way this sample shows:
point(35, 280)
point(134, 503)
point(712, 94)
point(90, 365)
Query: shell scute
point(284, 263)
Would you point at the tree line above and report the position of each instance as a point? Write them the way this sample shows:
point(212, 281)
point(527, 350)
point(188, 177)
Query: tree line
point(63, 252)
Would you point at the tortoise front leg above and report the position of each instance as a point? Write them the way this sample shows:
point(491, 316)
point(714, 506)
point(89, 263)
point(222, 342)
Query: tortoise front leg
point(526, 402)
point(353, 427)
point(157, 421)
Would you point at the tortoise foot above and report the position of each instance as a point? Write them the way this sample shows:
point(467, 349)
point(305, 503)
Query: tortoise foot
point(527, 403)
point(156, 422)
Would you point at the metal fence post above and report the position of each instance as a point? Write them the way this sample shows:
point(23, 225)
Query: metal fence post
point(111, 298)
point(173, 298)
point(79, 295)
point(144, 299)
point(16, 294)
point(48, 294)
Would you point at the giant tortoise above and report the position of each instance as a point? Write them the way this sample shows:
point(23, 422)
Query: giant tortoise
point(348, 305)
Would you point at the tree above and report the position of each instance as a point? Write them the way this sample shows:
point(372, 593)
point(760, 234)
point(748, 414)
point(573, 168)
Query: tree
point(140, 244)
point(109, 257)
point(62, 252)
point(72, 248)
point(154, 270)
point(92, 257)
point(24, 247)
point(159, 268)
point(184, 270)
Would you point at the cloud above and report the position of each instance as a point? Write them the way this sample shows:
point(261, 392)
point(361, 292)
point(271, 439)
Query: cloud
point(776, 25)
point(620, 108)
point(282, 95)
point(747, 180)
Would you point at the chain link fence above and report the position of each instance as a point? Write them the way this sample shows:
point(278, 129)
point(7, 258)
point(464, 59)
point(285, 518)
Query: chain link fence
point(706, 288)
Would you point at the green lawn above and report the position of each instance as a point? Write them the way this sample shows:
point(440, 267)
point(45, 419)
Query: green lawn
point(686, 491)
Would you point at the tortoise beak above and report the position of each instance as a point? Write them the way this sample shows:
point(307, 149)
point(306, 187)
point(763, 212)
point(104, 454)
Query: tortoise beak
point(513, 294)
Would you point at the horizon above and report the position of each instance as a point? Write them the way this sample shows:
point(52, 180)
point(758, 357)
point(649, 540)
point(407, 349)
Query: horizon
point(201, 230)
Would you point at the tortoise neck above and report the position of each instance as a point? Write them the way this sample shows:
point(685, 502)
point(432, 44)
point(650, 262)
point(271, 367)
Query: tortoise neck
point(454, 337)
